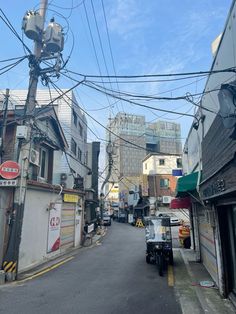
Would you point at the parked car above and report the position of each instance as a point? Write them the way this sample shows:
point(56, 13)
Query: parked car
point(106, 220)
point(174, 220)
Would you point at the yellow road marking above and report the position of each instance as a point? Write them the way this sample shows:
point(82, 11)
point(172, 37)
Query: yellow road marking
point(47, 269)
point(170, 276)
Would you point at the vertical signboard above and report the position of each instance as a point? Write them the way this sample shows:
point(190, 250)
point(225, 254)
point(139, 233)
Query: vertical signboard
point(54, 227)
point(144, 185)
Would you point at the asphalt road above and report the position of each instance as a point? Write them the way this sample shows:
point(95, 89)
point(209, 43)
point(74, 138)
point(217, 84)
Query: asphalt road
point(109, 278)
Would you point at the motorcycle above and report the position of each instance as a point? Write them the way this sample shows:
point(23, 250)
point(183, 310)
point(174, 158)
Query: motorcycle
point(158, 242)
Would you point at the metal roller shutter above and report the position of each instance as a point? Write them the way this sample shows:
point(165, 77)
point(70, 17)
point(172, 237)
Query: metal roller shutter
point(67, 225)
point(207, 245)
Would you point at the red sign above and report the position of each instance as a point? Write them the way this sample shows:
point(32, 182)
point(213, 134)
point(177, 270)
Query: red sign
point(178, 203)
point(9, 170)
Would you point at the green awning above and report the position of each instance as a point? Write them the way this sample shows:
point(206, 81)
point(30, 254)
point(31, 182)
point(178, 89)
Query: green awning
point(187, 184)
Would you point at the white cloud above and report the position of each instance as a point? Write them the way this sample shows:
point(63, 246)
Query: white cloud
point(127, 17)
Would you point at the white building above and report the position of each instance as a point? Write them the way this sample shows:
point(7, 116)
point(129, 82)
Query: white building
point(72, 164)
point(162, 171)
point(161, 164)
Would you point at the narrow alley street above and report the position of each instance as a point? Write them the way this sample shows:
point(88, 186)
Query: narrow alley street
point(110, 277)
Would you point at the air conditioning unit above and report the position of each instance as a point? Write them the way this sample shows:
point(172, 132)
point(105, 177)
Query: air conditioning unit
point(34, 157)
point(166, 199)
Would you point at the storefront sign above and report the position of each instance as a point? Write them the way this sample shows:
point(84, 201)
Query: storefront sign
point(54, 227)
point(71, 198)
point(214, 188)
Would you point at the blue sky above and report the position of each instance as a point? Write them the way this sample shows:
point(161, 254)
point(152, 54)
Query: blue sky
point(147, 37)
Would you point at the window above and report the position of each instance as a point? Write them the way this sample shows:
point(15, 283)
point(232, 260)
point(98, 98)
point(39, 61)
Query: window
point(79, 154)
point(73, 146)
point(80, 130)
point(179, 162)
point(164, 183)
point(86, 158)
point(75, 119)
point(145, 166)
point(43, 171)
point(161, 162)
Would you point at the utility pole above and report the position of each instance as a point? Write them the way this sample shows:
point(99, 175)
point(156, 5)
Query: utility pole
point(4, 125)
point(109, 150)
point(10, 264)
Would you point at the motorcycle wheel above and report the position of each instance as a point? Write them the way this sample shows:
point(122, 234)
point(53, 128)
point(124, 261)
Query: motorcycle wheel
point(171, 259)
point(160, 263)
point(148, 261)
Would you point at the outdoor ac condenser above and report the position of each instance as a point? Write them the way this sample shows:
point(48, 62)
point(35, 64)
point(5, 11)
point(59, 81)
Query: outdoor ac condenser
point(166, 199)
point(34, 157)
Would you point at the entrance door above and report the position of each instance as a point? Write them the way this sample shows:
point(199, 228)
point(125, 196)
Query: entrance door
point(67, 225)
point(232, 233)
point(227, 223)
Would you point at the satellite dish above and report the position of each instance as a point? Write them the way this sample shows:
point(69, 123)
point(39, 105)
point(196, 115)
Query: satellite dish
point(227, 100)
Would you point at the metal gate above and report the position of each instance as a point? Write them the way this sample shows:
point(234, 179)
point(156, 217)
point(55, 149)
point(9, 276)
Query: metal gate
point(67, 225)
point(207, 244)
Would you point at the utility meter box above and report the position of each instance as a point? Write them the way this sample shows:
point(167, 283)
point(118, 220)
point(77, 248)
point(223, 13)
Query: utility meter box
point(21, 132)
point(53, 38)
point(32, 25)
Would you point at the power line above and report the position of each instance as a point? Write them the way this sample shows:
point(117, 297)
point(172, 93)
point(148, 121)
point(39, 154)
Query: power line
point(148, 98)
point(106, 107)
point(65, 94)
point(93, 44)
point(60, 95)
point(110, 49)
point(11, 59)
point(11, 66)
point(12, 29)
point(84, 106)
point(186, 97)
point(142, 105)
point(147, 81)
point(232, 69)
point(85, 123)
point(70, 8)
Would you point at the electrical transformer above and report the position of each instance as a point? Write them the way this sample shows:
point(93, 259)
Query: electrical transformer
point(32, 25)
point(53, 38)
